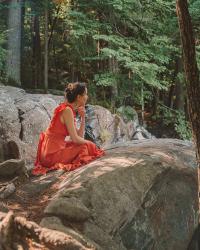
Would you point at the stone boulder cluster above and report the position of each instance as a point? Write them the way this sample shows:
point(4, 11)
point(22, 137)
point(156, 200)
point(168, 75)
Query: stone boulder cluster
point(143, 194)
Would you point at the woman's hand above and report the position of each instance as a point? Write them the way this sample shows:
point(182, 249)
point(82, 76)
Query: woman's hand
point(81, 111)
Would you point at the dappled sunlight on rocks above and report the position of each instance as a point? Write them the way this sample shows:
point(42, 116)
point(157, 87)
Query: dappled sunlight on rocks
point(98, 168)
point(163, 154)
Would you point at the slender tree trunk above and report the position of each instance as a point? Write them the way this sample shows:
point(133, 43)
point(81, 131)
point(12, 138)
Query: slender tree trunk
point(155, 101)
point(46, 51)
point(36, 60)
point(171, 96)
point(14, 41)
point(56, 63)
point(176, 99)
point(179, 88)
point(142, 103)
point(53, 24)
point(22, 54)
point(114, 68)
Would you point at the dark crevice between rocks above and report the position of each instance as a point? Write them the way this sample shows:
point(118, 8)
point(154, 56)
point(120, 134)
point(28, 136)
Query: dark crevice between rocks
point(46, 111)
point(20, 115)
point(10, 150)
point(27, 110)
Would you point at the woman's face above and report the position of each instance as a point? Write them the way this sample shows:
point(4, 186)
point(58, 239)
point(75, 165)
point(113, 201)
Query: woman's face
point(82, 99)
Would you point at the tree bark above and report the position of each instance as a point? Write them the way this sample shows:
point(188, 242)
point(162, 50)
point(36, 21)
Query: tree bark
point(46, 50)
point(191, 69)
point(179, 88)
point(53, 24)
point(36, 60)
point(114, 68)
point(14, 41)
point(192, 74)
point(18, 233)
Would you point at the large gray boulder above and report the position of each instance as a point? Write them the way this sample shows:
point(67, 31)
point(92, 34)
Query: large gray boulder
point(141, 195)
point(23, 116)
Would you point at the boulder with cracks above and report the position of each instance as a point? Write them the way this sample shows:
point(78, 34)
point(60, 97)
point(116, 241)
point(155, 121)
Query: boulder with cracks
point(139, 196)
point(23, 116)
point(12, 168)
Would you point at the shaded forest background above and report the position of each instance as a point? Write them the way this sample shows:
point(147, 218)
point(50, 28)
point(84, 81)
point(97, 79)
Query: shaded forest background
point(128, 51)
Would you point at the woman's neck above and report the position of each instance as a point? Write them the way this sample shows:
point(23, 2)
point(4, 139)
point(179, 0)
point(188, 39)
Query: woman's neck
point(74, 105)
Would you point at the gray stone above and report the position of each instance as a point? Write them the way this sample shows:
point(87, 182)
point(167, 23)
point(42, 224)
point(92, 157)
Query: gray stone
point(23, 116)
point(56, 224)
point(38, 185)
point(12, 167)
point(139, 196)
point(142, 194)
point(7, 191)
point(70, 208)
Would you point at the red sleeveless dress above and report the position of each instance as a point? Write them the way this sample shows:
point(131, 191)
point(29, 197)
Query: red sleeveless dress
point(56, 153)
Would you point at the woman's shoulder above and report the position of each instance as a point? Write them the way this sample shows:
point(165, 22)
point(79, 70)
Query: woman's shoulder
point(66, 107)
point(60, 108)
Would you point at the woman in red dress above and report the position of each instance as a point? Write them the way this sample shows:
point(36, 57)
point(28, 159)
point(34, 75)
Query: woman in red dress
point(54, 152)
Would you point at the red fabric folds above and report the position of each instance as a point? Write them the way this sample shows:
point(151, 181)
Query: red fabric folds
point(55, 153)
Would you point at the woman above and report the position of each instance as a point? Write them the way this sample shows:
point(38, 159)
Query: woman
point(54, 152)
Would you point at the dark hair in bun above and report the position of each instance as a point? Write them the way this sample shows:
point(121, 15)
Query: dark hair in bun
point(73, 90)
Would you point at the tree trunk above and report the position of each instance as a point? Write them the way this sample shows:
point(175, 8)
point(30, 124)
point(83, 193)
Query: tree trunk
point(22, 40)
point(171, 96)
point(14, 41)
point(191, 69)
point(53, 24)
point(36, 60)
point(155, 102)
point(114, 68)
point(179, 88)
point(191, 72)
point(46, 51)
point(18, 233)
point(176, 99)
point(56, 63)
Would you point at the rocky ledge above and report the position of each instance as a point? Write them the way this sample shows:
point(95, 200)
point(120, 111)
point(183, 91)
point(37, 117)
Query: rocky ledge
point(140, 195)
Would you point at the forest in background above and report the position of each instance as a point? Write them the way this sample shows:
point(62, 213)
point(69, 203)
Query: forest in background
point(128, 51)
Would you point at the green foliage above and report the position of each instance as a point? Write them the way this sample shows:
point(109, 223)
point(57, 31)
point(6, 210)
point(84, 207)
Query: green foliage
point(124, 34)
point(182, 126)
point(127, 112)
point(106, 79)
point(176, 119)
point(129, 44)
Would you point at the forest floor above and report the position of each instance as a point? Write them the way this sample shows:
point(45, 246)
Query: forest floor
point(33, 195)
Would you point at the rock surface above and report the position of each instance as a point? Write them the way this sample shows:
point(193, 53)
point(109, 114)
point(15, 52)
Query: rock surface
point(12, 168)
point(24, 116)
point(139, 196)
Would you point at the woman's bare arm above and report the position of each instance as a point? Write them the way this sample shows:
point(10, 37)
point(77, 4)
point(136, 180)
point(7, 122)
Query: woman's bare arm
point(81, 130)
point(81, 112)
point(68, 119)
